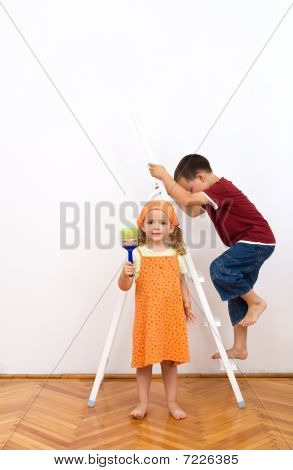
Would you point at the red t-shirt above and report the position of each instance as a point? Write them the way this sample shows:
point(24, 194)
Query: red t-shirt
point(234, 216)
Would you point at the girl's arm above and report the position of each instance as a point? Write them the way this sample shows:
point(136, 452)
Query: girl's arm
point(185, 292)
point(124, 281)
point(189, 314)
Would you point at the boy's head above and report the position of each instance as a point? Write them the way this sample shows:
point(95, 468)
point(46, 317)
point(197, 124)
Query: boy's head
point(193, 172)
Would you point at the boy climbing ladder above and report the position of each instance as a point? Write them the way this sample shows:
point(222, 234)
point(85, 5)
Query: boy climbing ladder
point(241, 227)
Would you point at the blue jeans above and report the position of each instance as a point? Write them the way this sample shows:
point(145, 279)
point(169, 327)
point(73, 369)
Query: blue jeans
point(235, 272)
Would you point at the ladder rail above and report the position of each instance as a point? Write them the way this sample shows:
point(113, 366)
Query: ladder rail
point(107, 348)
point(214, 330)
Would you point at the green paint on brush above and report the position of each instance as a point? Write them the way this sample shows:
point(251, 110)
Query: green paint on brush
point(129, 236)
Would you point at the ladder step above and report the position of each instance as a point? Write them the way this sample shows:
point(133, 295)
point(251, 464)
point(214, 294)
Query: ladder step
point(217, 322)
point(200, 276)
point(232, 363)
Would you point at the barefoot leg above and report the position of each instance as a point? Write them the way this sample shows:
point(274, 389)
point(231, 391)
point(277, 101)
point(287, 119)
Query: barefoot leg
point(239, 348)
point(143, 380)
point(169, 374)
point(256, 305)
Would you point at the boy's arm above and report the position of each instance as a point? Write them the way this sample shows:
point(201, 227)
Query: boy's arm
point(192, 211)
point(183, 198)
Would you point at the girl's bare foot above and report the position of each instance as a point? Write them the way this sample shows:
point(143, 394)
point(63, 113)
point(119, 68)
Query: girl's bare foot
point(176, 411)
point(233, 353)
point(253, 313)
point(140, 411)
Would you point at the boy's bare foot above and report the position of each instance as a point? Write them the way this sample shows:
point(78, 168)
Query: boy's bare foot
point(176, 411)
point(140, 411)
point(253, 313)
point(233, 353)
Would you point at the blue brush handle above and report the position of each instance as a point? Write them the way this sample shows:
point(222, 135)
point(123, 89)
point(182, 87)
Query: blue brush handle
point(130, 257)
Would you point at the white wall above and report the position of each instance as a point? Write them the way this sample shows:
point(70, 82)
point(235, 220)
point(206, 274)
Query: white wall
point(176, 63)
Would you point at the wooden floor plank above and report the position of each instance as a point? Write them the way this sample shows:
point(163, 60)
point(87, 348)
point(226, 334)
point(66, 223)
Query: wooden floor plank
point(53, 414)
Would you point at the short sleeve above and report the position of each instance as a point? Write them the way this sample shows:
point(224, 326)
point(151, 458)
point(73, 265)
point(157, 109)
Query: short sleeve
point(136, 262)
point(182, 265)
point(216, 193)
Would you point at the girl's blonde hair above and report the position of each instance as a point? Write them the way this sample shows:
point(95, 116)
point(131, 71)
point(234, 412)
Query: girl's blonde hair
point(175, 240)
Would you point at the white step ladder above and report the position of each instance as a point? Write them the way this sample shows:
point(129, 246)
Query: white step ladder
point(225, 362)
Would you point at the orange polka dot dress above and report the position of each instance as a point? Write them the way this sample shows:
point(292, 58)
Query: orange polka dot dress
point(159, 329)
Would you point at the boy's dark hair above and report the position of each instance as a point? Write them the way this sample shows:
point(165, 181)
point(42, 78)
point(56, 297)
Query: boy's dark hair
point(190, 165)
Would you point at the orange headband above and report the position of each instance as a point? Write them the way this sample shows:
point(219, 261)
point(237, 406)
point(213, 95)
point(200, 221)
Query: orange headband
point(164, 206)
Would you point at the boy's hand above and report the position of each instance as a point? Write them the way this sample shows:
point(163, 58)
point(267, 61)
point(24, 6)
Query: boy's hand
point(189, 313)
point(157, 171)
point(128, 269)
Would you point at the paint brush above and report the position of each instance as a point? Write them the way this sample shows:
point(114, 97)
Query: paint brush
point(129, 241)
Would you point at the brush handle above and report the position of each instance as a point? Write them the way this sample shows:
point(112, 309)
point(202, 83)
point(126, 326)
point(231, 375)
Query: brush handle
point(130, 257)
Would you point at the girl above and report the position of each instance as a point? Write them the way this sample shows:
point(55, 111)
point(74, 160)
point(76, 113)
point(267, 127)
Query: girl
point(162, 302)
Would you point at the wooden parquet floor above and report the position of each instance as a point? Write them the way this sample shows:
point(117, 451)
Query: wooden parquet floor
point(53, 414)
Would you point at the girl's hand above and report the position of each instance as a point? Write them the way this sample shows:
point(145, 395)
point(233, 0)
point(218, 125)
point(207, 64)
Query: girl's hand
point(157, 171)
point(128, 269)
point(190, 316)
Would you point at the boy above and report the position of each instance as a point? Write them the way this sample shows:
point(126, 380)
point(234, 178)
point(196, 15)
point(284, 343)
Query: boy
point(196, 189)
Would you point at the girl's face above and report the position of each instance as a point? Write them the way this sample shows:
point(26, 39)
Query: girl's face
point(157, 226)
